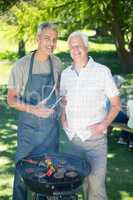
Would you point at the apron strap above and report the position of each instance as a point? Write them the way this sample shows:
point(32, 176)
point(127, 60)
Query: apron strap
point(30, 71)
point(31, 63)
point(52, 69)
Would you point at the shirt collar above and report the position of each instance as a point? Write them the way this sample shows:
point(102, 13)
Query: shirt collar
point(89, 64)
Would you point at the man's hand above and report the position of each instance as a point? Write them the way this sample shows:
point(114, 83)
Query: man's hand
point(98, 128)
point(43, 112)
point(38, 110)
point(64, 101)
point(64, 124)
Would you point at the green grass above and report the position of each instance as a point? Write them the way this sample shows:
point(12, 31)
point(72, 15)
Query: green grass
point(119, 174)
point(119, 170)
point(120, 162)
point(7, 146)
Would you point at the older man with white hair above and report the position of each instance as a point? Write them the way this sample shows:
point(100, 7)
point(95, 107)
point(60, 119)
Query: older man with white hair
point(86, 85)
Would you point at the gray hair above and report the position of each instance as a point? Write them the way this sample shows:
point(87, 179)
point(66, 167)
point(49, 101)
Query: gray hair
point(46, 25)
point(80, 34)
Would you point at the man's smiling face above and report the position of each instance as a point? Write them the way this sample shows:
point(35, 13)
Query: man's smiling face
point(47, 40)
point(78, 49)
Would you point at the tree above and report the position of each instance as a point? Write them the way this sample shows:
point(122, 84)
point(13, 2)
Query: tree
point(25, 17)
point(11, 19)
point(115, 16)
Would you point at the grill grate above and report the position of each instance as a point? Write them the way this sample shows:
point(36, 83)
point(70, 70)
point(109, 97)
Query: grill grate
point(57, 176)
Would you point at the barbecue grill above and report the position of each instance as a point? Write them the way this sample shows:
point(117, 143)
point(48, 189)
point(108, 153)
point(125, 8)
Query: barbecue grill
point(57, 176)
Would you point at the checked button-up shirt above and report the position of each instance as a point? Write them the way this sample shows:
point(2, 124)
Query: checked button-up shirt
point(86, 94)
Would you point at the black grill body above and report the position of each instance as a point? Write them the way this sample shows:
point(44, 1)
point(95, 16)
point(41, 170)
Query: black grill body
point(64, 180)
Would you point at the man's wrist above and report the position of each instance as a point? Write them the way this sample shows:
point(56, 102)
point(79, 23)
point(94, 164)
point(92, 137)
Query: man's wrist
point(31, 109)
point(105, 124)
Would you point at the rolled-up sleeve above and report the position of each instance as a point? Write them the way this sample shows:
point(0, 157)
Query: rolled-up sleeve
point(111, 89)
point(15, 78)
point(63, 84)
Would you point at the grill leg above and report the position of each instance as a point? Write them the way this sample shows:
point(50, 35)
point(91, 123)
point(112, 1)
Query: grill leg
point(40, 197)
point(53, 198)
point(31, 196)
point(74, 197)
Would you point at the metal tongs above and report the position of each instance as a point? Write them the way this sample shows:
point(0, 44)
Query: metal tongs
point(57, 101)
point(44, 101)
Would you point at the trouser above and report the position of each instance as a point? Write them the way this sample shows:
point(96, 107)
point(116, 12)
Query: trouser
point(19, 188)
point(95, 151)
point(20, 191)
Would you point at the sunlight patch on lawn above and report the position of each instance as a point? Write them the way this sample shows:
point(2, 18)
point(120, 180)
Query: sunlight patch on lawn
point(12, 126)
point(111, 155)
point(6, 184)
point(103, 47)
point(125, 195)
point(108, 179)
point(62, 46)
point(2, 147)
point(90, 32)
point(6, 43)
point(4, 161)
point(5, 68)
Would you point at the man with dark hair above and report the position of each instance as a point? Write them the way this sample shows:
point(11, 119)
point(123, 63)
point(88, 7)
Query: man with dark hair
point(31, 81)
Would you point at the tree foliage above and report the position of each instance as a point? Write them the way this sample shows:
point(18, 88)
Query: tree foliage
point(25, 17)
point(6, 5)
point(114, 16)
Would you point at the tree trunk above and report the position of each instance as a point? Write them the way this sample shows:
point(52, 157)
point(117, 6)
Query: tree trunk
point(129, 63)
point(21, 48)
point(126, 57)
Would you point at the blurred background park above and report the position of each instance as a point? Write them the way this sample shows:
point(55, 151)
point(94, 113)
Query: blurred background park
point(109, 25)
